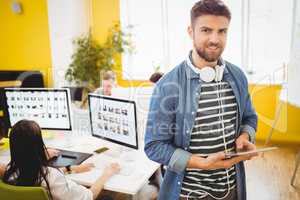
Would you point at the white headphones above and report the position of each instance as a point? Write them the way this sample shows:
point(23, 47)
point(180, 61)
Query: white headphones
point(208, 74)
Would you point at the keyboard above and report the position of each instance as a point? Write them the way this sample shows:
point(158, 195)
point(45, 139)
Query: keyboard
point(126, 168)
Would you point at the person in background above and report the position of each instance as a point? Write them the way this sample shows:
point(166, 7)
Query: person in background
point(155, 77)
point(30, 167)
point(108, 82)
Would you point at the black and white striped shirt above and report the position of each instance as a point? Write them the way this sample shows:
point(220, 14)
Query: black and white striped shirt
point(207, 137)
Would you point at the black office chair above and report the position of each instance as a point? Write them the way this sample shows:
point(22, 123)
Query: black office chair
point(27, 79)
point(76, 93)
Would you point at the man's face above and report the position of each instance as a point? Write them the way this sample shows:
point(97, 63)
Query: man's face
point(107, 86)
point(209, 34)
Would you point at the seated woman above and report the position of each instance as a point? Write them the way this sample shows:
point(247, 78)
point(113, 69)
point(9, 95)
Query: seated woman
point(29, 166)
point(50, 154)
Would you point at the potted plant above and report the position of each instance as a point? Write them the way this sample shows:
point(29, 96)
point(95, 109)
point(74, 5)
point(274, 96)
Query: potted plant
point(91, 58)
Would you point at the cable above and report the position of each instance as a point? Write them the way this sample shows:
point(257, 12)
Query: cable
point(221, 118)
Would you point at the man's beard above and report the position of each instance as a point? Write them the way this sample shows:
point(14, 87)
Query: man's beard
point(208, 57)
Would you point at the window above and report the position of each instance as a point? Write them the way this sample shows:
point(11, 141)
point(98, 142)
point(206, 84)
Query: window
point(259, 36)
point(146, 18)
point(270, 33)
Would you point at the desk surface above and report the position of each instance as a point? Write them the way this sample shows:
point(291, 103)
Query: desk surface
point(142, 167)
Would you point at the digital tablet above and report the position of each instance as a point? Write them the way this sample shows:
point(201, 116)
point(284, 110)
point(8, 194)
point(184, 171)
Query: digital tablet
point(241, 153)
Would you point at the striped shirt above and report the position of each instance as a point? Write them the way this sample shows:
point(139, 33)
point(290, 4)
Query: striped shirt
point(217, 103)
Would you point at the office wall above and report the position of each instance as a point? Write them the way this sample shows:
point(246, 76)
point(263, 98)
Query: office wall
point(24, 38)
point(294, 64)
point(68, 19)
point(266, 99)
point(104, 15)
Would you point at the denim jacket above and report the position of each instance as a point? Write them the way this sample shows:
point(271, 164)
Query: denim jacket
point(171, 117)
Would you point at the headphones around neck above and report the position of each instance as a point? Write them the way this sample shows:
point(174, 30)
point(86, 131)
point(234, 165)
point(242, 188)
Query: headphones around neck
point(208, 74)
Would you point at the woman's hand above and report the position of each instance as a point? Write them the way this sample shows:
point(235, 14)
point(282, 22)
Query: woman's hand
point(51, 153)
point(82, 167)
point(2, 169)
point(111, 170)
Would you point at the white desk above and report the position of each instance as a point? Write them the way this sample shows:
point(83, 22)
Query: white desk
point(142, 167)
point(82, 141)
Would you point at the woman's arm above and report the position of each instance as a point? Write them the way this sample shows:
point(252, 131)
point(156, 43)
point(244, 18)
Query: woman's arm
point(2, 170)
point(79, 168)
point(108, 172)
point(51, 153)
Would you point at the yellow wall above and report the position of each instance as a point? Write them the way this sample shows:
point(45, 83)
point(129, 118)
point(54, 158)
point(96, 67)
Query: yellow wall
point(266, 101)
point(24, 39)
point(104, 15)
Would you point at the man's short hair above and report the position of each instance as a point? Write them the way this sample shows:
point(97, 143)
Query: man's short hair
point(209, 7)
point(155, 77)
point(109, 75)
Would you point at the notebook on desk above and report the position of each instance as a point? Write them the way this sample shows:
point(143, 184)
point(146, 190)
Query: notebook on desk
point(66, 158)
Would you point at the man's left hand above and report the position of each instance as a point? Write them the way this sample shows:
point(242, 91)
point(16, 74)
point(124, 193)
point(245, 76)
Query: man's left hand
point(243, 144)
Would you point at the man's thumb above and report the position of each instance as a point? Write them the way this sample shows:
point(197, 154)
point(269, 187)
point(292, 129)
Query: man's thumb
point(239, 144)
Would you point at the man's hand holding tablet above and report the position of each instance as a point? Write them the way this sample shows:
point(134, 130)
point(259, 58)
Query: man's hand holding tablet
point(249, 152)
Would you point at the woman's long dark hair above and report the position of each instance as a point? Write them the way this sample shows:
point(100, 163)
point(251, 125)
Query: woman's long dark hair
point(29, 159)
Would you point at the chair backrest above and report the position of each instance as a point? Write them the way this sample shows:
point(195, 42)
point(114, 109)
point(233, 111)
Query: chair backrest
point(11, 192)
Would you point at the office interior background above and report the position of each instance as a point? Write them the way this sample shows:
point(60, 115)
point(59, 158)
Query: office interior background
point(263, 39)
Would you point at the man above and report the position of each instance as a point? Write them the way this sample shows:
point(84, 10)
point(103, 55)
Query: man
point(108, 82)
point(199, 111)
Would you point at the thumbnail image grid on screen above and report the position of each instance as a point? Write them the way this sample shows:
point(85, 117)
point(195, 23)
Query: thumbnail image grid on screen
point(114, 120)
point(50, 108)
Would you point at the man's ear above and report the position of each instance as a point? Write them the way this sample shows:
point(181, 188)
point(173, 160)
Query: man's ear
point(190, 31)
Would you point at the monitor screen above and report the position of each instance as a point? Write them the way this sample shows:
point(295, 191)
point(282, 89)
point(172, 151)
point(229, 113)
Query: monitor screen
point(114, 120)
point(49, 107)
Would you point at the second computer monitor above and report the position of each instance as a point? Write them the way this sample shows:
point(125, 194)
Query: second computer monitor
point(114, 120)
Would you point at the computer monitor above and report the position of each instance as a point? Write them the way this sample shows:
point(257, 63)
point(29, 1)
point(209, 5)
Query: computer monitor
point(114, 120)
point(49, 107)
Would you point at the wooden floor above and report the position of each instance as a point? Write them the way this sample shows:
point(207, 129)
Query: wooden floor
point(269, 175)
